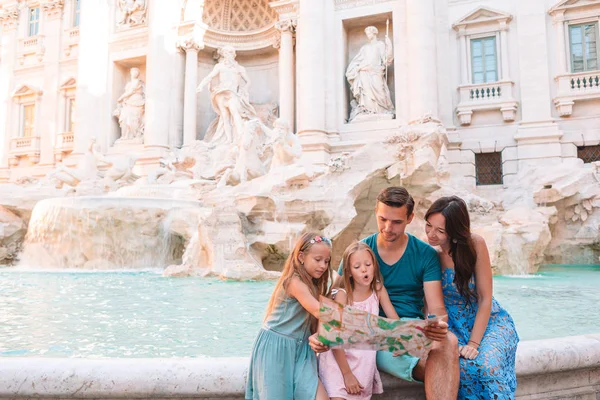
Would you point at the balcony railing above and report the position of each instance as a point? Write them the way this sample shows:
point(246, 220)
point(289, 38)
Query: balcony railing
point(64, 145)
point(71, 39)
point(576, 87)
point(28, 46)
point(486, 96)
point(25, 147)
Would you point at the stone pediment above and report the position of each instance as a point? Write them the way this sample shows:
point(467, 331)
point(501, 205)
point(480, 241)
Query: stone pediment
point(565, 5)
point(70, 83)
point(482, 15)
point(26, 90)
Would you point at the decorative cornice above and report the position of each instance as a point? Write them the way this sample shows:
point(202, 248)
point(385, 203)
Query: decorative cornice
point(346, 4)
point(567, 5)
point(255, 40)
point(288, 24)
point(53, 8)
point(189, 43)
point(9, 17)
point(483, 16)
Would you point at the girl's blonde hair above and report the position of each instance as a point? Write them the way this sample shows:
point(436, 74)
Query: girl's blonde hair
point(318, 287)
point(346, 281)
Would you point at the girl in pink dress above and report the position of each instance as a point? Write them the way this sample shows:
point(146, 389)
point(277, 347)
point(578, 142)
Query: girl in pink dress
point(352, 374)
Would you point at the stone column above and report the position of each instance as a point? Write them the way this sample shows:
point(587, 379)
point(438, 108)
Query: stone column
point(9, 16)
point(286, 69)
point(310, 69)
point(92, 112)
point(504, 50)
point(559, 22)
point(191, 48)
point(464, 60)
point(422, 74)
point(53, 10)
point(177, 100)
point(162, 40)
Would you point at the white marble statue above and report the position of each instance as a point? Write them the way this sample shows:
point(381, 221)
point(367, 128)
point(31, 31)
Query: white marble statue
point(86, 170)
point(228, 85)
point(131, 13)
point(367, 76)
point(131, 109)
point(287, 148)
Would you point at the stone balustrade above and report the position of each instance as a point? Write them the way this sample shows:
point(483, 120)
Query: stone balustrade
point(576, 87)
point(31, 46)
point(71, 39)
point(486, 96)
point(561, 368)
point(64, 145)
point(24, 147)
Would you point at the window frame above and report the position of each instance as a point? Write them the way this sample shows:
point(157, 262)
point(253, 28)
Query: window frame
point(501, 175)
point(581, 24)
point(33, 22)
point(23, 119)
point(76, 13)
point(481, 37)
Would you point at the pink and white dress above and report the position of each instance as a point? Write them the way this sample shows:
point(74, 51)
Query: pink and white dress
point(362, 363)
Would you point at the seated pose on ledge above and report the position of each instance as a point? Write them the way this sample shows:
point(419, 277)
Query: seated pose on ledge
point(352, 374)
point(486, 333)
point(411, 272)
point(282, 365)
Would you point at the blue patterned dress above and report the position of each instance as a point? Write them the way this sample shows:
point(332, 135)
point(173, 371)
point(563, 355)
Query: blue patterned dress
point(491, 375)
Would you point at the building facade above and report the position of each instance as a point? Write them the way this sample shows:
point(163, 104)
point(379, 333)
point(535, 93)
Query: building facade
point(514, 83)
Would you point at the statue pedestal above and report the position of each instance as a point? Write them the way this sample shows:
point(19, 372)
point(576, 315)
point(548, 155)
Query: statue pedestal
point(371, 117)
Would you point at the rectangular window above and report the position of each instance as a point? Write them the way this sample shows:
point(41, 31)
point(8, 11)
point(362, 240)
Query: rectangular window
point(588, 154)
point(583, 40)
point(34, 21)
point(484, 65)
point(70, 115)
point(76, 13)
point(488, 168)
point(28, 120)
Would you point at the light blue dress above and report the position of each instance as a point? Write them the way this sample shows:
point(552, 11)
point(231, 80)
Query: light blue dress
point(491, 375)
point(282, 365)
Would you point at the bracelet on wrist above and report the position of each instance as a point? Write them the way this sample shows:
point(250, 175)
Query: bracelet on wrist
point(472, 341)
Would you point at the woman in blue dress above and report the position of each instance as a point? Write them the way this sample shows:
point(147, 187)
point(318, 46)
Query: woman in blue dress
point(486, 333)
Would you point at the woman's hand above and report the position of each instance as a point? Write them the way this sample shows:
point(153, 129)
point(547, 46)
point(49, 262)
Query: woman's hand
point(352, 384)
point(469, 351)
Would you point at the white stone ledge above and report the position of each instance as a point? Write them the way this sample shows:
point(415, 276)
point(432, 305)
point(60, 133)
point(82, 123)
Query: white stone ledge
point(560, 368)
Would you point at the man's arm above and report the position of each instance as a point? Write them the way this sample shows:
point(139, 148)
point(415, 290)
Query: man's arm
point(435, 305)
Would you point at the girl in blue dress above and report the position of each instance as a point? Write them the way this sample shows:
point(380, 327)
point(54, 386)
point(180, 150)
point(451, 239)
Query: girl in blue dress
point(282, 365)
point(486, 333)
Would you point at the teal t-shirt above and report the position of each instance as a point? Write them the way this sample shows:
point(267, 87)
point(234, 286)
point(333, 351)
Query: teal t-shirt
point(404, 280)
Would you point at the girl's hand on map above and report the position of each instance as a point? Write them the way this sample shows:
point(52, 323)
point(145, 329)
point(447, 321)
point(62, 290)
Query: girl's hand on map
point(352, 384)
point(316, 344)
point(469, 352)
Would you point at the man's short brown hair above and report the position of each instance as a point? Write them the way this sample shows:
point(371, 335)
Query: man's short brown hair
point(397, 196)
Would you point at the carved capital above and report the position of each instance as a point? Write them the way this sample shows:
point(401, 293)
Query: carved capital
point(288, 24)
point(9, 17)
point(189, 43)
point(53, 8)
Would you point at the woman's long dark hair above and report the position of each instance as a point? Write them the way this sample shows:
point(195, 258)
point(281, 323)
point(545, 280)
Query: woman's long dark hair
point(462, 249)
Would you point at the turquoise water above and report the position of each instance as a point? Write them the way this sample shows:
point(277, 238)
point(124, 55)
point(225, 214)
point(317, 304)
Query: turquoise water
point(142, 314)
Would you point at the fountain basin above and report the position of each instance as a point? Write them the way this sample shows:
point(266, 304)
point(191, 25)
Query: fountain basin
point(563, 368)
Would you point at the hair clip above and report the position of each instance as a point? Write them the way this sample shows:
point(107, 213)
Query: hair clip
point(319, 239)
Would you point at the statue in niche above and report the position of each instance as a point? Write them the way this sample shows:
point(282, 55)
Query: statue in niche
point(287, 148)
point(131, 13)
point(130, 109)
point(367, 76)
point(228, 84)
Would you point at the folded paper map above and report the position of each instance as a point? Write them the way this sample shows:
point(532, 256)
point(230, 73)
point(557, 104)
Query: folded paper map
point(349, 328)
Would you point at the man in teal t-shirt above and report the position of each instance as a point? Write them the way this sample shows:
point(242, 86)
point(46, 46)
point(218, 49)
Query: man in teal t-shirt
point(411, 273)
